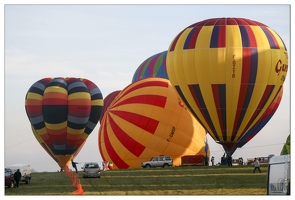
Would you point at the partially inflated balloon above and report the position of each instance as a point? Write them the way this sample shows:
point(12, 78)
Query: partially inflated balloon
point(148, 119)
point(63, 112)
point(107, 102)
point(154, 66)
point(227, 71)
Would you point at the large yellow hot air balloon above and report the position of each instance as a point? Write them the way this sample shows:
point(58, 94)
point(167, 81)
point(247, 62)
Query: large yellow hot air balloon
point(227, 71)
point(147, 119)
point(62, 113)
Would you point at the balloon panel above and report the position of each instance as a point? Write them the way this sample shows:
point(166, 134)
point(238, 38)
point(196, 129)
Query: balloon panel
point(154, 66)
point(227, 71)
point(63, 112)
point(267, 115)
point(147, 119)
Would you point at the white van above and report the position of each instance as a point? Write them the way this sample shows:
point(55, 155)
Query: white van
point(278, 179)
point(25, 170)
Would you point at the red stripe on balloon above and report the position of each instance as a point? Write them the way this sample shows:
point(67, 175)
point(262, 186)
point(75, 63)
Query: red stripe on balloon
point(261, 105)
point(222, 36)
point(143, 85)
point(128, 142)
point(112, 153)
point(172, 47)
point(146, 123)
point(251, 36)
point(54, 101)
point(154, 100)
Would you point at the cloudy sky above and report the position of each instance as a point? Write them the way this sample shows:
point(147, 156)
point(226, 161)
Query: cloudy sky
point(106, 44)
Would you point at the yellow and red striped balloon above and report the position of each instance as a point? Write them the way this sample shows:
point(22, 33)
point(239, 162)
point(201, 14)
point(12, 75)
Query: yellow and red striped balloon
point(227, 71)
point(63, 112)
point(148, 119)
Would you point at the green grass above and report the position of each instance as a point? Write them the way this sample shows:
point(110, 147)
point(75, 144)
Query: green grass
point(196, 180)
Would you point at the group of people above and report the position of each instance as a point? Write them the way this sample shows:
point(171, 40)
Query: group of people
point(227, 160)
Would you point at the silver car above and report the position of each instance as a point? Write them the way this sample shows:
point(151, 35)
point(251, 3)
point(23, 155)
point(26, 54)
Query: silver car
point(158, 161)
point(91, 169)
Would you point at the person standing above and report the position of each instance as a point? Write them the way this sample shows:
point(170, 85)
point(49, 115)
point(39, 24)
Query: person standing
point(212, 160)
point(229, 160)
point(256, 165)
point(74, 164)
point(17, 175)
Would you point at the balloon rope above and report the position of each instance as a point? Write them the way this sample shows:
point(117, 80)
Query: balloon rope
point(75, 180)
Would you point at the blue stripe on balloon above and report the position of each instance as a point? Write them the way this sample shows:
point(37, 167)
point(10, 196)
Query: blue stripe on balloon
point(214, 37)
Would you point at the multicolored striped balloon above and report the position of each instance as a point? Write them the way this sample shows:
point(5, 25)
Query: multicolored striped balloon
point(148, 119)
point(63, 112)
point(227, 71)
point(154, 66)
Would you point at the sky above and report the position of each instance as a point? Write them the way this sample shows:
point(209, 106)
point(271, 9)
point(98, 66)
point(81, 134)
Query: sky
point(106, 43)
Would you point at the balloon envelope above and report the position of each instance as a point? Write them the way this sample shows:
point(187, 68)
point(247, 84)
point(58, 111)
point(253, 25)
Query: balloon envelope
point(147, 119)
point(63, 112)
point(227, 71)
point(154, 66)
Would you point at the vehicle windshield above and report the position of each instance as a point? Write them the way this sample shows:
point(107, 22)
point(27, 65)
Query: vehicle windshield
point(92, 165)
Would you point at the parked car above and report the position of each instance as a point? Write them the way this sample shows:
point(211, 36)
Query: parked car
point(25, 170)
point(9, 180)
point(91, 169)
point(158, 161)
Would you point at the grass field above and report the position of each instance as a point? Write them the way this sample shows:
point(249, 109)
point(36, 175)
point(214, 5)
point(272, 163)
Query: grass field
point(195, 180)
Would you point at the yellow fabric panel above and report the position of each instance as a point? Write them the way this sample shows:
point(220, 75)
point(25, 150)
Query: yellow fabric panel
point(75, 131)
point(233, 84)
point(56, 126)
point(84, 136)
point(79, 95)
point(204, 38)
point(172, 103)
point(42, 131)
point(217, 66)
point(188, 63)
point(233, 37)
point(31, 95)
point(97, 102)
point(63, 159)
point(264, 71)
point(170, 60)
point(118, 147)
point(154, 143)
point(56, 89)
point(204, 79)
point(260, 37)
point(181, 40)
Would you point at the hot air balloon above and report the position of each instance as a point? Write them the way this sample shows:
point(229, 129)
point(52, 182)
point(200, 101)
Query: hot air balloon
point(107, 101)
point(267, 115)
point(148, 119)
point(286, 148)
point(227, 71)
point(62, 113)
point(154, 66)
